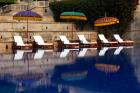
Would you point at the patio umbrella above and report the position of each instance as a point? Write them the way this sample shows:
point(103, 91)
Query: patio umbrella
point(73, 16)
point(27, 15)
point(105, 21)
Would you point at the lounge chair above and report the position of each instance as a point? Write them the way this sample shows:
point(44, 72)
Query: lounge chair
point(67, 43)
point(103, 51)
point(41, 44)
point(122, 42)
point(85, 43)
point(19, 44)
point(107, 43)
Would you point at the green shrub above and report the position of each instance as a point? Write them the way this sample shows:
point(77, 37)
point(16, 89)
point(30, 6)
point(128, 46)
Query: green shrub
point(7, 1)
point(94, 9)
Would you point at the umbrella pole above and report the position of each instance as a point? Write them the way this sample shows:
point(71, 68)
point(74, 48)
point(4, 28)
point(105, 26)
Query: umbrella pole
point(27, 30)
point(27, 21)
point(72, 31)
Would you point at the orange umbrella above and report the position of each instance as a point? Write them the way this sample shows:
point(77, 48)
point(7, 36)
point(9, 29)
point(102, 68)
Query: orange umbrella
point(106, 21)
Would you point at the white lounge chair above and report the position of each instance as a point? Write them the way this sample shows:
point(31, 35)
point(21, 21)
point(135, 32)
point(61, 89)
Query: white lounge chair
point(67, 43)
point(103, 51)
point(106, 42)
point(118, 50)
point(20, 44)
point(121, 41)
point(40, 42)
point(85, 43)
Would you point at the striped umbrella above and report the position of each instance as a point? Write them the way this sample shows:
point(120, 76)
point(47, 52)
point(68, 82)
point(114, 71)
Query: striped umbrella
point(106, 21)
point(73, 16)
point(27, 15)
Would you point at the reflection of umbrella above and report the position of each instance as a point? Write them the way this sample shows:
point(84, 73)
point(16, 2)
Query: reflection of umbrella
point(44, 89)
point(27, 15)
point(107, 67)
point(73, 72)
point(106, 21)
point(29, 79)
point(73, 16)
point(74, 76)
point(124, 81)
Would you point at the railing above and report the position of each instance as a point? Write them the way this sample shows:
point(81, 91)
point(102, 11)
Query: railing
point(5, 9)
point(23, 6)
point(40, 4)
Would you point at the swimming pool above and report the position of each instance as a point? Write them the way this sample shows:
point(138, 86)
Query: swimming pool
point(105, 70)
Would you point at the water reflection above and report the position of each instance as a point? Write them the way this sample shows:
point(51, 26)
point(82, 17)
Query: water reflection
point(79, 71)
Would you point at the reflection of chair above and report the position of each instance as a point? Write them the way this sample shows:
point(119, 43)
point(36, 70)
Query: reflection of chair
point(121, 41)
point(118, 50)
point(105, 42)
point(67, 43)
point(83, 51)
point(65, 52)
point(20, 53)
point(40, 42)
point(103, 51)
point(20, 44)
point(39, 54)
point(85, 43)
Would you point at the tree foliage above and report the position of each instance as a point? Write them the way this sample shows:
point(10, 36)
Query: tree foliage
point(94, 9)
point(5, 2)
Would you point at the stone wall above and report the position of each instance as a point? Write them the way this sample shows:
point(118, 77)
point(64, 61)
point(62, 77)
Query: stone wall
point(35, 26)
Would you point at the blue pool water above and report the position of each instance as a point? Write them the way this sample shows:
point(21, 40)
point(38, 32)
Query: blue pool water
point(91, 73)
